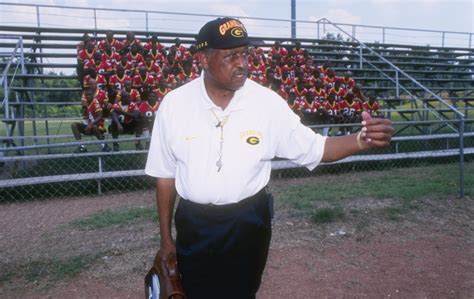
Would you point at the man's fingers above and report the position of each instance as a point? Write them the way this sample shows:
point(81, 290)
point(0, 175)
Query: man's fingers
point(366, 116)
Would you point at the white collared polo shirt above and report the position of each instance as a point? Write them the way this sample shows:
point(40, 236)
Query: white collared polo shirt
point(258, 126)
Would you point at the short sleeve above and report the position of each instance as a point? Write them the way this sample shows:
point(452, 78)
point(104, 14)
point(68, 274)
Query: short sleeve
point(297, 142)
point(161, 162)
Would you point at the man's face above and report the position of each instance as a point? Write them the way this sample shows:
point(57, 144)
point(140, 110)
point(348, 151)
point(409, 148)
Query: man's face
point(227, 69)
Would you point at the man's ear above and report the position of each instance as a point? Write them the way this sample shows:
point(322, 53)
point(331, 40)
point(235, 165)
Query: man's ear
point(203, 59)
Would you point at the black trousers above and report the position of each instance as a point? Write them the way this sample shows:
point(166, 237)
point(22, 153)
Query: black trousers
point(222, 250)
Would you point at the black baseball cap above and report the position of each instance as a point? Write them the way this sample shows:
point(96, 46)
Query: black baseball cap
point(222, 33)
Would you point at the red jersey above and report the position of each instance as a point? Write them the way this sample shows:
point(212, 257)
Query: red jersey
point(329, 82)
point(257, 72)
point(158, 58)
point(280, 51)
point(149, 46)
point(372, 109)
point(128, 67)
point(288, 83)
point(148, 113)
point(170, 79)
point(117, 83)
point(92, 111)
point(139, 82)
point(99, 79)
point(183, 78)
point(116, 45)
point(129, 108)
point(349, 109)
point(84, 56)
point(282, 92)
point(347, 83)
point(339, 94)
point(312, 107)
point(298, 54)
point(307, 70)
point(300, 95)
point(290, 69)
point(332, 109)
point(113, 59)
point(161, 93)
point(136, 59)
point(134, 95)
point(319, 95)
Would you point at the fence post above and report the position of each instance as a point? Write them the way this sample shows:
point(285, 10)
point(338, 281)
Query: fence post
point(442, 39)
point(383, 35)
point(461, 158)
point(360, 56)
point(397, 85)
point(146, 21)
point(95, 22)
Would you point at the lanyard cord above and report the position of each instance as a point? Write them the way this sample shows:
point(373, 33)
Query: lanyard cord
point(220, 124)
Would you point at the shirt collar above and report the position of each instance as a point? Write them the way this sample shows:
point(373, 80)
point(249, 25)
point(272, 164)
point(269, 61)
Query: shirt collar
point(236, 103)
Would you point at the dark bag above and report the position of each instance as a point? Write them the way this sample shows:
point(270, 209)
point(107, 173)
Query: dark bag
point(163, 281)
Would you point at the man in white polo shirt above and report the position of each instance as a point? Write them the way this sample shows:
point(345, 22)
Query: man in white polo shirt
point(213, 142)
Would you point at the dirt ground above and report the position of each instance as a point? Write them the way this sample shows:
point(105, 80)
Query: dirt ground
point(424, 252)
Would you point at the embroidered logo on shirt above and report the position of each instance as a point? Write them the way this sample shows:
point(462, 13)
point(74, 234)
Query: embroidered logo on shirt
point(253, 140)
point(188, 138)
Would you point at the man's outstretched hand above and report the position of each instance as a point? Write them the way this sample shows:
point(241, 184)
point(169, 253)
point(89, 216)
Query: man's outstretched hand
point(375, 132)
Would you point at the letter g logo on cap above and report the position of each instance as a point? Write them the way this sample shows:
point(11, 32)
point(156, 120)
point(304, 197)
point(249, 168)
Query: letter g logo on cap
point(237, 32)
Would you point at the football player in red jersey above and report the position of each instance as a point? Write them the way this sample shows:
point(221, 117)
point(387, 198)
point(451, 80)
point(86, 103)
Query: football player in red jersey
point(372, 107)
point(278, 49)
point(290, 67)
point(129, 41)
point(152, 68)
point(313, 79)
point(299, 92)
point(127, 66)
point(312, 109)
point(134, 57)
point(330, 79)
point(319, 92)
point(148, 111)
point(307, 68)
point(93, 124)
point(161, 90)
point(351, 111)
point(143, 80)
point(125, 120)
point(256, 70)
point(358, 93)
point(168, 77)
point(82, 44)
point(338, 91)
point(116, 82)
point(98, 79)
point(186, 74)
point(332, 113)
point(134, 94)
point(323, 69)
point(110, 56)
point(299, 53)
point(153, 45)
point(109, 40)
point(346, 81)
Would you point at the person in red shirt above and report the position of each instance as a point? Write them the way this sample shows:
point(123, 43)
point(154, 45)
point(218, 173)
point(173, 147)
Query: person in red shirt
point(358, 93)
point(169, 78)
point(319, 92)
point(298, 53)
point(128, 88)
point(186, 74)
point(134, 57)
point(372, 107)
point(153, 45)
point(338, 91)
point(148, 109)
point(98, 79)
point(256, 70)
point(125, 120)
point(323, 69)
point(110, 56)
point(332, 114)
point(312, 109)
point(93, 123)
point(152, 68)
point(129, 41)
point(346, 81)
point(351, 112)
point(330, 79)
point(115, 45)
point(127, 66)
point(117, 82)
point(312, 80)
point(299, 92)
point(290, 68)
point(307, 68)
point(161, 90)
point(278, 49)
point(143, 80)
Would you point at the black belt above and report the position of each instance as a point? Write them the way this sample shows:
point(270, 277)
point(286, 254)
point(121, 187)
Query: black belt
point(231, 206)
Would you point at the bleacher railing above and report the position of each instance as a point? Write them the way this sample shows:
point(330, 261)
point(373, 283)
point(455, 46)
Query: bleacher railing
point(41, 15)
point(460, 117)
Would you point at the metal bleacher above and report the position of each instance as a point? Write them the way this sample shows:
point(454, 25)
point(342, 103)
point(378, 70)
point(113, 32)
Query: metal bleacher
point(419, 112)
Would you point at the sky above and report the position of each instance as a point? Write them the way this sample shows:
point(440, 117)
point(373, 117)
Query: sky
point(443, 15)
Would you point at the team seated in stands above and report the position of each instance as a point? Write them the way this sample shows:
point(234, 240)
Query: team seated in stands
point(128, 79)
